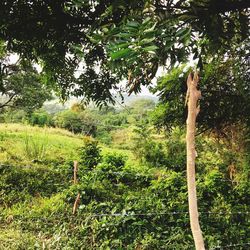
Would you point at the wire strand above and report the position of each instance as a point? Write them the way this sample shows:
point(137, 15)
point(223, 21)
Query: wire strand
point(159, 213)
point(231, 245)
point(149, 175)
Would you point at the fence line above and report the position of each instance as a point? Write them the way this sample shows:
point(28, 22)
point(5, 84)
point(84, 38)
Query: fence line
point(155, 214)
point(127, 214)
point(160, 213)
point(231, 245)
point(133, 174)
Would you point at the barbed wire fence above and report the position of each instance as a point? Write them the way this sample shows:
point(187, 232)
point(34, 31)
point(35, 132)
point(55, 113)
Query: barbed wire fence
point(150, 214)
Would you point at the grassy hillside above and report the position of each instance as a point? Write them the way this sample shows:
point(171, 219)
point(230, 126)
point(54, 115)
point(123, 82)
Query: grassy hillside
point(36, 184)
point(125, 203)
point(36, 146)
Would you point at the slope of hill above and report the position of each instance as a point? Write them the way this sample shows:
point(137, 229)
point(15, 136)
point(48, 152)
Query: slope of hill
point(123, 203)
point(36, 146)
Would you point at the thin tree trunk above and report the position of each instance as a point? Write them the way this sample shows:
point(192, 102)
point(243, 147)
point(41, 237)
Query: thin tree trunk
point(193, 96)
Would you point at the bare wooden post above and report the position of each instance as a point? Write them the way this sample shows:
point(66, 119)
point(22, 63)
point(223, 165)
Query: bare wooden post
point(77, 200)
point(193, 96)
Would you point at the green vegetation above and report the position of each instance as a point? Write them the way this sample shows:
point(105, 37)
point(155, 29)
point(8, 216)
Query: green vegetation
point(103, 177)
point(124, 40)
point(36, 146)
point(20, 84)
point(129, 199)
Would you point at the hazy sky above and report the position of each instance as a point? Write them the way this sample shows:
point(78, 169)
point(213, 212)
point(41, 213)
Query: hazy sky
point(14, 57)
point(144, 90)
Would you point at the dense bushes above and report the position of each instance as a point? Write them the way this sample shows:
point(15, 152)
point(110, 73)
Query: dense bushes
point(41, 118)
point(146, 149)
point(38, 117)
point(76, 122)
point(124, 207)
point(126, 202)
point(90, 153)
point(19, 184)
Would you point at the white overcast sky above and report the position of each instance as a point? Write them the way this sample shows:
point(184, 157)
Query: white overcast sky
point(14, 57)
point(144, 90)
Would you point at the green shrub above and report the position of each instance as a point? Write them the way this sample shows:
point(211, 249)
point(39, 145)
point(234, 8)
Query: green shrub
point(175, 145)
point(146, 149)
point(104, 136)
point(113, 162)
point(110, 169)
point(21, 183)
point(153, 153)
point(76, 122)
point(90, 153)
point(69, 120)
point(12, 239)
point(41, 118)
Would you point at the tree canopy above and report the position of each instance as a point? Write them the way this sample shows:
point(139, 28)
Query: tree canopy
point(61, 34)
point(86, 47)
point(20, 84)
point(225, 93)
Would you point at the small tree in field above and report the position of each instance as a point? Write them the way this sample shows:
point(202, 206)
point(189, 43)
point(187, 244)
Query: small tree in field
point(20, 84)
point(90, 153)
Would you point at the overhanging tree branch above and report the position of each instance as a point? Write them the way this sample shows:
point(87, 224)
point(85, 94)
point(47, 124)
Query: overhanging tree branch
point(7, 102)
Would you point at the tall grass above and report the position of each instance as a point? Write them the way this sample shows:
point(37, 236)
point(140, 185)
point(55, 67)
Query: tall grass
point(36, 146)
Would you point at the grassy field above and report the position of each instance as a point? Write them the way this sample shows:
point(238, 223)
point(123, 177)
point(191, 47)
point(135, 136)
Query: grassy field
point(125, 203)
point(35, 183)
point(43, 146)
point(36, 146)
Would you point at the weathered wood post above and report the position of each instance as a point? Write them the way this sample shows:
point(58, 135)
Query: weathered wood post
point(77, 200)
point(192, 98)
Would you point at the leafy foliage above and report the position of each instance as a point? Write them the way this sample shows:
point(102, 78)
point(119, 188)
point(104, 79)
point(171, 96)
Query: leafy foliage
point(129, 38)
point(76, 122)
point(138, 206)
point(146, 149)
point(21, 85)
point(120, 195)
point(224, 88)
point(90, 153)
point(41, 118)
point(19, 184)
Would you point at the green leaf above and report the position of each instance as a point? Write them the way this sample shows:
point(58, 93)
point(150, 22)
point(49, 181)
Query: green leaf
point(124, 35)
point(76, 47)
point(122, 45)
point(146, 40)
point(133, 24)
point(183, 32)
point(120, 54)
point(146, 21)
point(169, 44)
point(118, 45)
point(79, 3)
point(150, 29)
point(95, 38)
point(151, 48)
point(131, 29)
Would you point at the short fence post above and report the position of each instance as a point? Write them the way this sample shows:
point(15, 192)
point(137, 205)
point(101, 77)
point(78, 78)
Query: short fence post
point(77, 200)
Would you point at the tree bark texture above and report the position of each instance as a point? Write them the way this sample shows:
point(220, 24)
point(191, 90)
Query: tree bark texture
point(193, 96)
